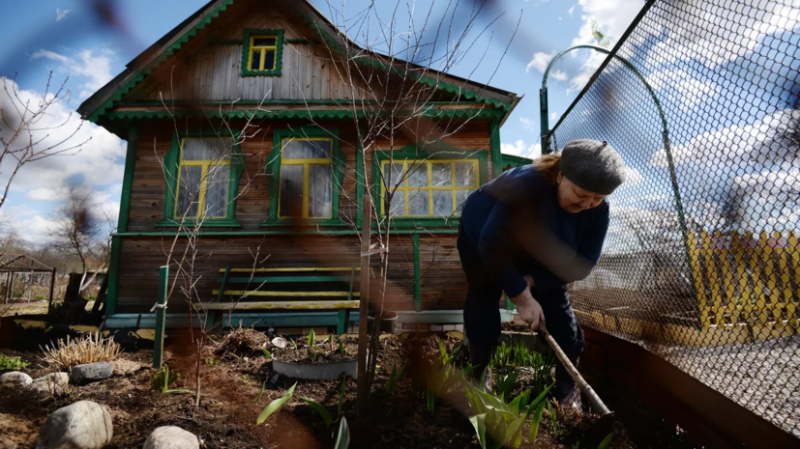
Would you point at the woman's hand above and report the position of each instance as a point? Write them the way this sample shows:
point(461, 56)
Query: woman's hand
point(528, 308)
point(529, 279)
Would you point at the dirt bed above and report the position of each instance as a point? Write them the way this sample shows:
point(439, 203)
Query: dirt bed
point(230, 402)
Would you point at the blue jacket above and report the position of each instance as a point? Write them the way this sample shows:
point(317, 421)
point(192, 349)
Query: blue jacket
point(517, 228)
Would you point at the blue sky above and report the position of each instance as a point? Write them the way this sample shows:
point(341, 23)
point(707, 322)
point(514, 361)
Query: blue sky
point(68, 38)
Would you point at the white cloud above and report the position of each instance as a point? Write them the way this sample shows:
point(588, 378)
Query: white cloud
point(526, 122)
point(37, 229)
point(61, 15)
point(98, 162)
point(558, 75)
point(766, 140)
point(540, 61)
point(560, 18)
point(47, 194)
point(633, 177)
point(519, 148)
point(588, 68)
point(681, 87)
point(554, 115)
point(766, 201)
point(613, 17)
point(730, 39)
point(571, 10)
point(94, 69)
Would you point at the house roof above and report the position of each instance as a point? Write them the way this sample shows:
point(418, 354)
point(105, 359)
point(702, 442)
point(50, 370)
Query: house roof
point(144, 64)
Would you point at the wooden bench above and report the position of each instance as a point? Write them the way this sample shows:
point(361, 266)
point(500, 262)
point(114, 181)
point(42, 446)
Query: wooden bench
point(261, 282)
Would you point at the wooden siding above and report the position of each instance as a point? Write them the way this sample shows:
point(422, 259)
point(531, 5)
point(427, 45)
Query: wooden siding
point(443, 282)
point(148, 191)
point(203, 70)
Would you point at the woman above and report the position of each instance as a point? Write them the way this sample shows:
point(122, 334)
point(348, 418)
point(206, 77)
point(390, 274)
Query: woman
point(528, 233)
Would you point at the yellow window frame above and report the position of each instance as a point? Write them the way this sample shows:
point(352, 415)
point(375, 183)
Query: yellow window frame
point(428, 166)
point(262, 49)
point(305, 162)
point(205, 164)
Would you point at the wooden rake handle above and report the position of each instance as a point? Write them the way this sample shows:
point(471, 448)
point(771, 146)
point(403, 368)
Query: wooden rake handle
point(585, 388)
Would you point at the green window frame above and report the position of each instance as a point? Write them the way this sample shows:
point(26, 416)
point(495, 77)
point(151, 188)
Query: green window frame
point(278, 165)
point(259, 47)
point(440, 154)
point(174, 165)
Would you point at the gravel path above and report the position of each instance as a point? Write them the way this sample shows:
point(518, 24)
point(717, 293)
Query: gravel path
point(763, 376)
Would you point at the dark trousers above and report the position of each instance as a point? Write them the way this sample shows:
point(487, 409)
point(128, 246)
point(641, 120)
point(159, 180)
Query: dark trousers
point(482, 317)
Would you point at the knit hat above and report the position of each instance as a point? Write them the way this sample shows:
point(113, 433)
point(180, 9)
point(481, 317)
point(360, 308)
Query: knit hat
point(592, 165)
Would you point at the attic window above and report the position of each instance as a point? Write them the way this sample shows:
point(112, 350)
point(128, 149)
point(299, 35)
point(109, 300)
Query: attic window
point(261, 55)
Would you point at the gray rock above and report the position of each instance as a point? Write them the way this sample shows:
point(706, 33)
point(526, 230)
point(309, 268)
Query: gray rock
point(82, 425)
point(83, 374)
point(51, 383)
point(171, 437)
point(15, 379)
point(274, 377)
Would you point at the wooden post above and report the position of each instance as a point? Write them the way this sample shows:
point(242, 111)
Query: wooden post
point(11, 287)
point(30, 288)
point(8, 288)
point(362, 397)
point(52, 288)
point(161, 311)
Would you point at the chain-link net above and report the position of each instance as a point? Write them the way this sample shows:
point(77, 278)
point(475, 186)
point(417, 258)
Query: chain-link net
point(702, 262)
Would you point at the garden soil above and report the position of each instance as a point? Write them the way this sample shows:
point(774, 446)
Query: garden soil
point(230, 403)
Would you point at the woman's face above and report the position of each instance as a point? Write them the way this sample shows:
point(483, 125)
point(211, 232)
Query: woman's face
point(574, 199)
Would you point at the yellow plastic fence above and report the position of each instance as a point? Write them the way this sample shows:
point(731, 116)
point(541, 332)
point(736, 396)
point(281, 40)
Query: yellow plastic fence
point(746, 278)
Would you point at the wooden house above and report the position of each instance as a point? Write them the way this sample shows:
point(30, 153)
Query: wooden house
point(263, 85)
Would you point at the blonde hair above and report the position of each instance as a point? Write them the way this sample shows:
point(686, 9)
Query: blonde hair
point(550, 166)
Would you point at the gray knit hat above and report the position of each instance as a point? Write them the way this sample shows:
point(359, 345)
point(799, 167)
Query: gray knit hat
point(592, 165)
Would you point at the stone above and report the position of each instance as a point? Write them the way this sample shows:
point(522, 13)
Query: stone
point(274, 377)
point(15, 379)
point(51, 383)
point(81, 425)
point(83, 374)
point(124, 367)
point(171, 437)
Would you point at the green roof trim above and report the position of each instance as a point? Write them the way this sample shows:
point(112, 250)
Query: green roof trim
point(336, 114)
point(133, 82)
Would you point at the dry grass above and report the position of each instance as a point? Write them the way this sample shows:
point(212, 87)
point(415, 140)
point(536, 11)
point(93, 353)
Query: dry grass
point(88, 349)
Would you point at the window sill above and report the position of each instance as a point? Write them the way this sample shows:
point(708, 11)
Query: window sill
point(421, 222)
point(210, 223)
point(260, 73)
point(307, 222)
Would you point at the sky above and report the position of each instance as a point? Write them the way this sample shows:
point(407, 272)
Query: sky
point(67, 38)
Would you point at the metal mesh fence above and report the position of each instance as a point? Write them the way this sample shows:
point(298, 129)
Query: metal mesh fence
point(702, 262)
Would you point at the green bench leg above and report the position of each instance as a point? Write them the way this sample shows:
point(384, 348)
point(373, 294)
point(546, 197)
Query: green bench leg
point(344, 319)
point(211, 317)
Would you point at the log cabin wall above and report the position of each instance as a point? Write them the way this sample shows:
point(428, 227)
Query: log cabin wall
point(203, 75)
point(208, 67)
point(148, 192)
point(442, 282)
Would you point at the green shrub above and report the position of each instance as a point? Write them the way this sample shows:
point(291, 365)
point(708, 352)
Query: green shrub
point(498, 423)
point(12, 363)
point(162, 379)
point(509, 358)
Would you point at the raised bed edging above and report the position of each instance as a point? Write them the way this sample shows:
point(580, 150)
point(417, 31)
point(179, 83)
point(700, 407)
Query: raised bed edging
point(636, 379)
